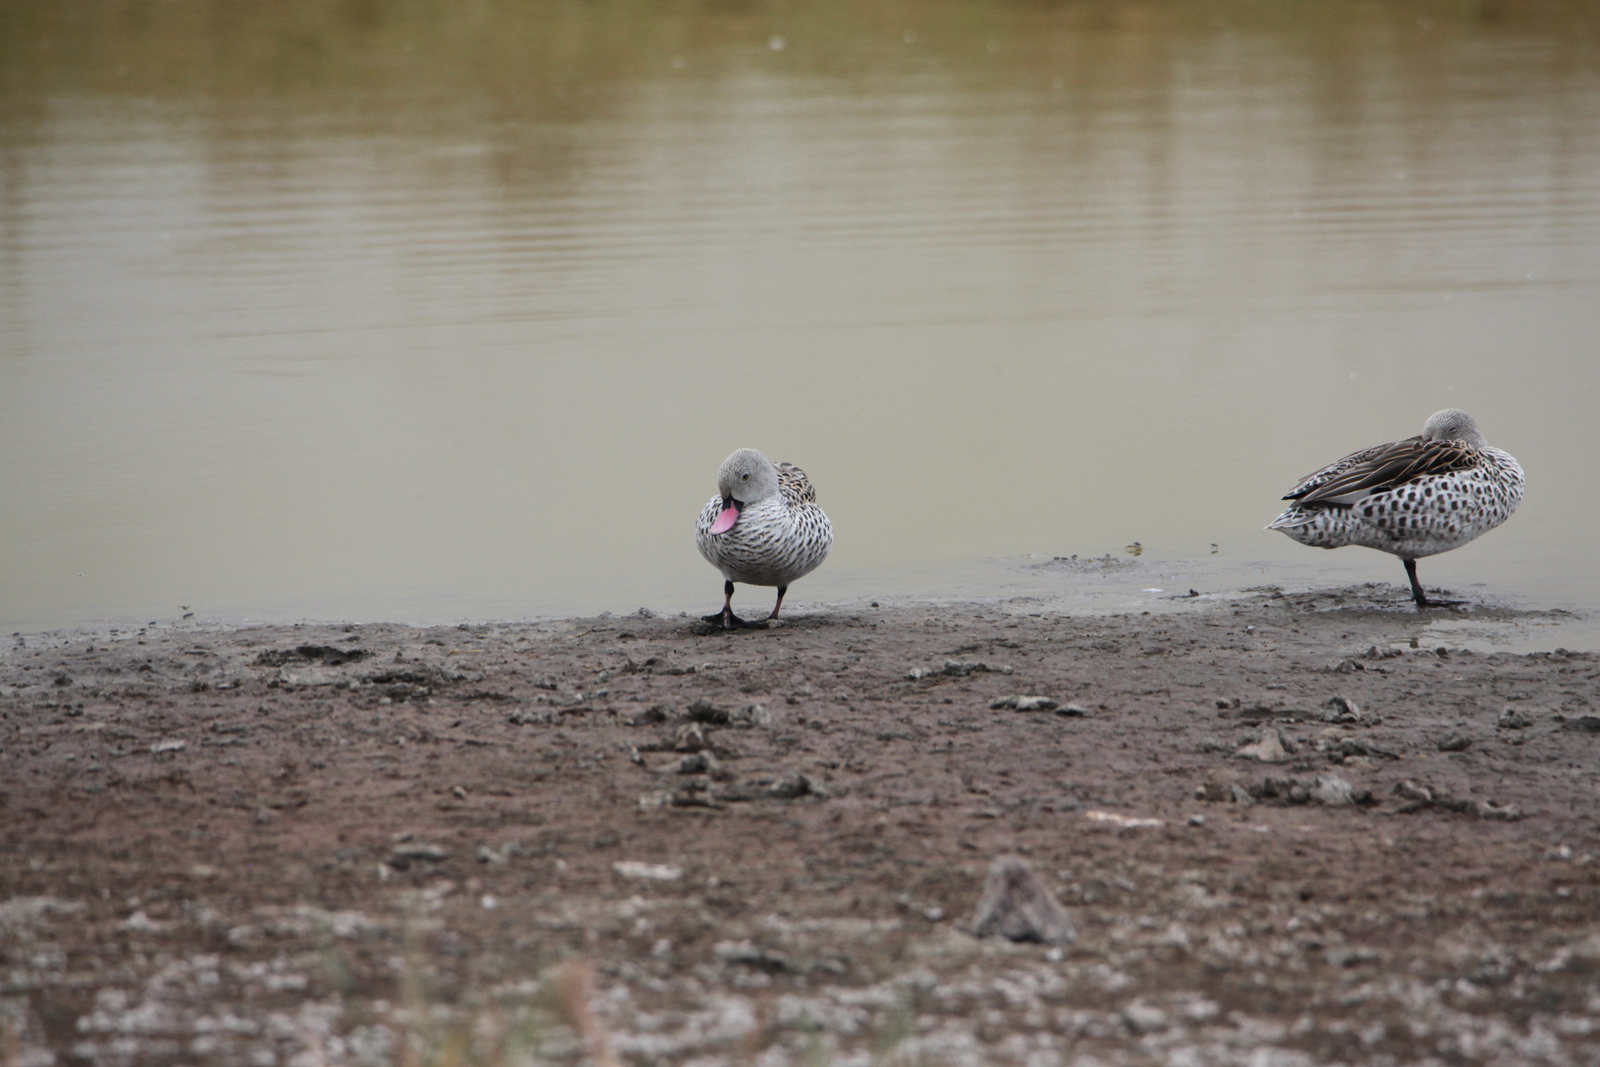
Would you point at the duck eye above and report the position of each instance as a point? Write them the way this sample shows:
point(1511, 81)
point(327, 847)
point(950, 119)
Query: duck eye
point(744, 477)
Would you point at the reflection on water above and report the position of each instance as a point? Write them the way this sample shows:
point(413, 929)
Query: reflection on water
point(424, 310)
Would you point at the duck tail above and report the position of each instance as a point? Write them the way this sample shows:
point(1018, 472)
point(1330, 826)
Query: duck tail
point(1291, 519)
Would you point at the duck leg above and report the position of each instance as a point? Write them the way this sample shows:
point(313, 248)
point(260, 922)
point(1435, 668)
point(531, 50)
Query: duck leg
point(1416, 590)
point(782, 589)
point(726, 618)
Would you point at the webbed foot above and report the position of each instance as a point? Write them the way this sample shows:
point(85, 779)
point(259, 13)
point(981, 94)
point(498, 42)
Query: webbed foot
point(1421, 597)
point(727, 620)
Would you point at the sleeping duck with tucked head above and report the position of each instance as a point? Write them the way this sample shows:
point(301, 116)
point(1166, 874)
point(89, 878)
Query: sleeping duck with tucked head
point(1412, 498)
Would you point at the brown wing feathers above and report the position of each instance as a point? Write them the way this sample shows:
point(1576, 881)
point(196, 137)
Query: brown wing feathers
point(794, 485)
point(1387, 467)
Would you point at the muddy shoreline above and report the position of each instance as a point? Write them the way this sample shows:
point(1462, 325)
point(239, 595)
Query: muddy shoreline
point(1279, 830)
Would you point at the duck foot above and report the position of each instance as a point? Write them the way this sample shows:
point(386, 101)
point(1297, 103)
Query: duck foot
point(729, 621)
point(1419, 596)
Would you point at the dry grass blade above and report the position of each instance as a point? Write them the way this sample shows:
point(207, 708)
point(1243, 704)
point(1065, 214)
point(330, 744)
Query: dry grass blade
point(574, 991)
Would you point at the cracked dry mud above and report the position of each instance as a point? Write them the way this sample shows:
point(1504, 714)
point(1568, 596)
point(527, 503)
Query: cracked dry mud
point(377, 844)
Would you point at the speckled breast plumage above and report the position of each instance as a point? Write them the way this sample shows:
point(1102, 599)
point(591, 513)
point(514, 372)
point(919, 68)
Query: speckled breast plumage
point(775, 541)
point(1420, 517)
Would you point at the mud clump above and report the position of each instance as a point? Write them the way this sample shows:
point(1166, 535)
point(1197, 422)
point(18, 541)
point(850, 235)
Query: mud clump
point(1017, 906)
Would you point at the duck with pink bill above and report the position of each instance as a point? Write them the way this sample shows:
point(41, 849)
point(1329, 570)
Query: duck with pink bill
point(762, 528)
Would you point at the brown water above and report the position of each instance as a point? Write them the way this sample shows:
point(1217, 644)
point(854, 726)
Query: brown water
point(432, 310)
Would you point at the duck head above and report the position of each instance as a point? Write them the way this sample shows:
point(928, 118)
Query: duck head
point(747, 477)
point(1453, 424)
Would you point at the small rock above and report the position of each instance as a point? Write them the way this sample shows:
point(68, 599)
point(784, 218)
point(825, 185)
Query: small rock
point(1121, 821)
point(1144, 1018)
point(530, 717)
point(704, 711)
point(1583, 724)
point(1072, 710)
point(1583, 955)
point(1349, 747)
point(1017, 906)
point(1488, 809)
point(750, 955)
point(792, 785)
point(664, 665)
point(694, 793)
point(1421, 796)
point(916, 674)
point(1348, 666)
point(496, 856)
point(139, 922)
point(1333, 791)
point(648, 872)
point(1211, 743)
point(1337, 710)
point(691, 738)
point(653, 714)
point(1197, 820)
point(962, 668)
point(168, 746)
point(1407, 789)
point(1177, 936)
point(1270, 749)
point(1455, 741)
point(1512, 719)
point(1024, 703)
point(751, 715)
point(408, 852)
point(696, 763)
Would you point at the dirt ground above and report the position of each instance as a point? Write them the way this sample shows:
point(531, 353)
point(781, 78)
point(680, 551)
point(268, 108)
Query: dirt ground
point(1284, 836)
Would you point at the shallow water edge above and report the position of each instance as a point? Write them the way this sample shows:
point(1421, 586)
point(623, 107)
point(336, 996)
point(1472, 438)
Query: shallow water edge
point(1071, 587)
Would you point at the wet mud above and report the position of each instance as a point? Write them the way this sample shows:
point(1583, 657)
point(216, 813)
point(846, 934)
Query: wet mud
point(1279, 834)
